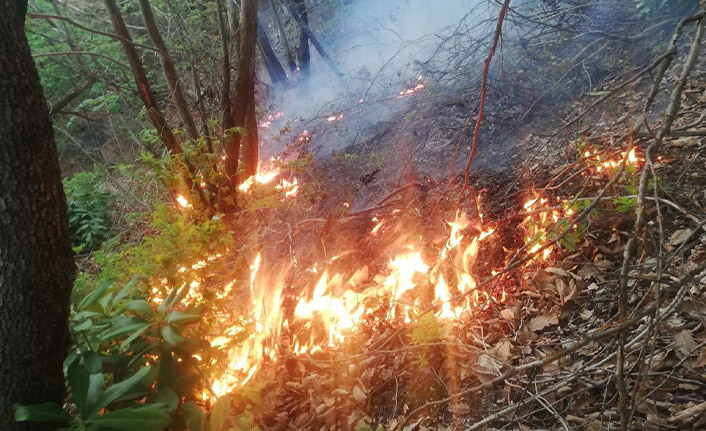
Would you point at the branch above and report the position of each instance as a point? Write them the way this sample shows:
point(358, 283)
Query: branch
point(483, 91)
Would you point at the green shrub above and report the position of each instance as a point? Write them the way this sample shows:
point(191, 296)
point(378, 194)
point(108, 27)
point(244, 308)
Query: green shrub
point(87, 200)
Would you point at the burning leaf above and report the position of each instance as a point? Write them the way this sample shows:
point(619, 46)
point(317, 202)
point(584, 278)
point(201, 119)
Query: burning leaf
point(538, 323)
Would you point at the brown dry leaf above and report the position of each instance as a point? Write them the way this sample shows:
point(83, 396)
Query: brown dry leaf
point(538, 323)
point(359, 394)
point(684, 343)
point(459, 409)
point(687, 142)
point(679, 236)
point(507, 314)
point(690, 413)
point(501, 350)
point(701, 360)
point(557, 271)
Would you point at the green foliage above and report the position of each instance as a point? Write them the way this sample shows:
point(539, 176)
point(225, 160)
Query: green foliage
point(87, 200)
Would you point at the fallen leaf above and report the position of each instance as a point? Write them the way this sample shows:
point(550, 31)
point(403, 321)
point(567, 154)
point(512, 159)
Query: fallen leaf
point(679, 236)
point(688, 414)
point(459, 409)
point(701, 360)
point(358, 394)
point(507, 314)
point(688, 142)
point(684, 343)
point(538, 323)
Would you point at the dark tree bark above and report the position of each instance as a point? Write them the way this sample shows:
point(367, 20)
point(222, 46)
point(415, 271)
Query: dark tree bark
point(244, 102)
point(274, 67)
point(314, 40)
point(36, 263)
point(283, 36)
point(304, 56)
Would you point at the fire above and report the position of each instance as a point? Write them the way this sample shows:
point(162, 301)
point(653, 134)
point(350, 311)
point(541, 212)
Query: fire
point(336, 304)
point(181, 200)
point(268, 175)
point(412, 90)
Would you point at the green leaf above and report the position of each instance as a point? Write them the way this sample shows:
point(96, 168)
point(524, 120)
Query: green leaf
point(94, 296)
point(171, 335)
point(122, 330)
point(180, 317)
point(151, 417)
point(169, 398)
point(117, 390)
point(79, 381)
point(134, 335)
point(45, 412)
point(195, 417)
point(219, 414)
point(141, 306)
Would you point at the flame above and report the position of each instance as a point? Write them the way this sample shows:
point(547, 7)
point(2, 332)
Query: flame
point(181, 200)
point(267, 176)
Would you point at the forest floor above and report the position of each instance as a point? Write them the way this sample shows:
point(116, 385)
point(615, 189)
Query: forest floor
point(541, 351)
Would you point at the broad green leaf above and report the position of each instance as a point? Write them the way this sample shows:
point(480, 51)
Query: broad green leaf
point(195, 417)
point(83, 326)
point(94, 296)
point(169, 398)
point(134, 335)
point(219, 414)
point(171, 335)
point(151, 417)
point(141, 306)
point(79, 380)
point(45, 412)
point(123, 329)
point(180, 317)
point(117, 390)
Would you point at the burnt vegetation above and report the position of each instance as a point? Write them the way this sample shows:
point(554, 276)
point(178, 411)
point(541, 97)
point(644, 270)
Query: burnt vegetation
point(354, 215)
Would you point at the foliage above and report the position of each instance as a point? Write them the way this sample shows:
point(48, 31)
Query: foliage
point(87, 200)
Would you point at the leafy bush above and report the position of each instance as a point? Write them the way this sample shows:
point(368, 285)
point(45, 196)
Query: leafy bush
point(87, 200)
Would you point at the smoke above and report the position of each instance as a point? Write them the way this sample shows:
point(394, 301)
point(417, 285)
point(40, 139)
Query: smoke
point(381, 47)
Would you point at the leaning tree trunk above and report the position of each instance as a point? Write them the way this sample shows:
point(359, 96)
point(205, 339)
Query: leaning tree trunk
point(36, 263)
point(304, 56)
point(274, 68)
point(244, 102)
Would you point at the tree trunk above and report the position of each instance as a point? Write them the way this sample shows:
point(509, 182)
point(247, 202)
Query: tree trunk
point(36, 263)
point(170, 72)
point(274, 67)
point(244, 102)
point(310, 36)
point(234, 26)
point(304, 55)
point(283, 36)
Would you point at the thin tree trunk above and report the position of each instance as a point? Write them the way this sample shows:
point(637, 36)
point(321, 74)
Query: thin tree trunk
point(170, 72)
point(232, 7)
point(300, 16)
point(283, 36)
point(156, 116)
point(244, 102)
point(36, 263)
point(307, 31)
point(274, 67)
